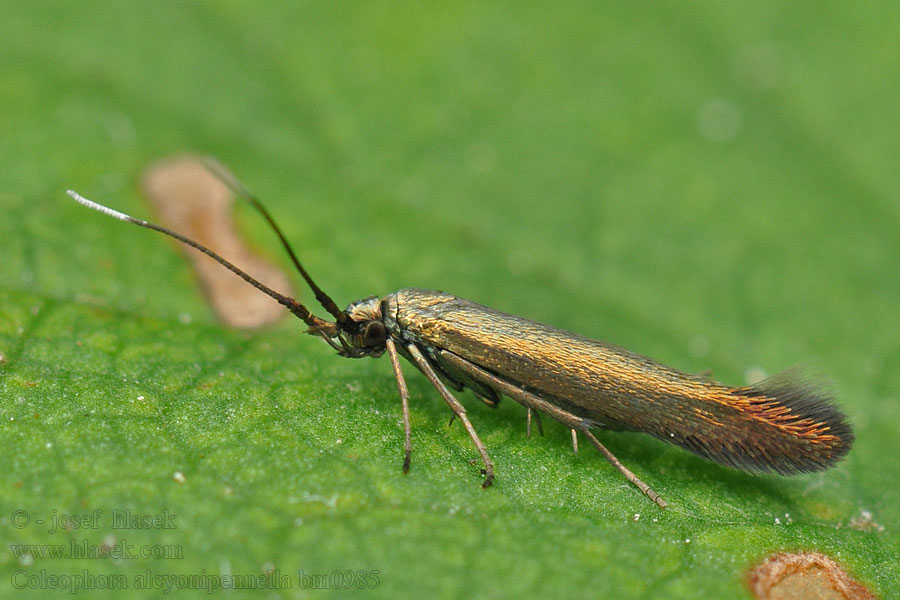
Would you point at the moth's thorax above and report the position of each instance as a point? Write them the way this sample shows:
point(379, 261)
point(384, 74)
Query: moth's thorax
point(403, 311)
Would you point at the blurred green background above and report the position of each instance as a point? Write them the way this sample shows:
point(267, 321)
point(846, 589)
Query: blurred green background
point(712, 185)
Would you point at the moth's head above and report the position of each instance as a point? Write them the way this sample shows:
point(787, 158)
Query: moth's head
point(365, 333)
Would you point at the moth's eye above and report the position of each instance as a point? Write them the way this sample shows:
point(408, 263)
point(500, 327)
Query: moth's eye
point(374, 334)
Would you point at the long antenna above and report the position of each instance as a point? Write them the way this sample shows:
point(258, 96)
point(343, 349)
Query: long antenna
point(314, 322)
point(226, 177)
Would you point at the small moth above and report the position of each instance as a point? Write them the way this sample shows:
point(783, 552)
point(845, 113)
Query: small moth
point(781, 425)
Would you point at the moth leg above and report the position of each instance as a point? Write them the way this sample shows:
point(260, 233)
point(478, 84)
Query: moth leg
point(574, 441)
point(537, 418)
point(524, 398)
point(624, 471)
point(404, 401)
point(456, 407)
point(537, 403)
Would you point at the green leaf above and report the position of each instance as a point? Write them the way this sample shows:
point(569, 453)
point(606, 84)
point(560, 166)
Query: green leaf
point(714, 186)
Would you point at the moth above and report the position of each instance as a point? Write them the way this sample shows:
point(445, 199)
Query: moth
point(783, 425)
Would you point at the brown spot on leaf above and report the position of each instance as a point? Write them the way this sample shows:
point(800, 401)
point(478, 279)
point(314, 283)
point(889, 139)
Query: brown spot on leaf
point(804, 576)
point(192, 201)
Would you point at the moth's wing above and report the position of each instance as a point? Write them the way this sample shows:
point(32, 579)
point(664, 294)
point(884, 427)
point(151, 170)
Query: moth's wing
point(786, 424)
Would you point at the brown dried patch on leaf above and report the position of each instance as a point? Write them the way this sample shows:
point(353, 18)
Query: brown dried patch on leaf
point(804, 576)
point(192, 201)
